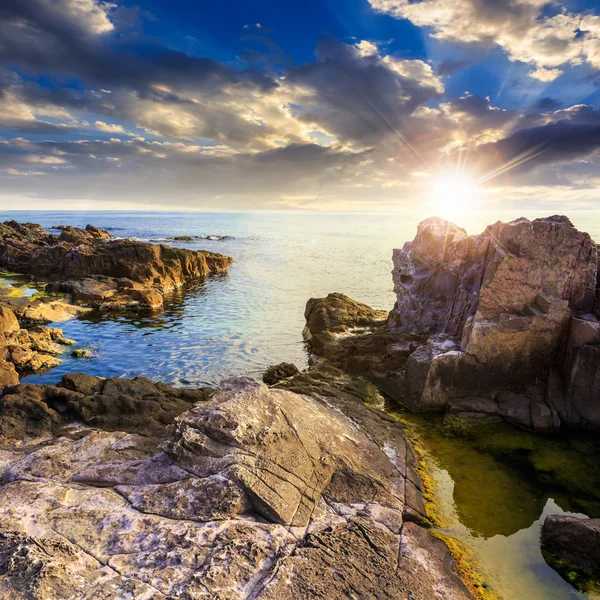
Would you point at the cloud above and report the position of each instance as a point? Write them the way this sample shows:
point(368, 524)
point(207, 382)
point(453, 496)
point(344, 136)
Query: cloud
point(520, 27)
point(359, 95)
point(109, 127)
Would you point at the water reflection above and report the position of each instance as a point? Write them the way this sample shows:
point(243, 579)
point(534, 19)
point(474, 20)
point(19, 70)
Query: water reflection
point(496, 486)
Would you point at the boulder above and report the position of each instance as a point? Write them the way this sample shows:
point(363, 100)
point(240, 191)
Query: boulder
point(275, 373)
point(480, 321)
point(257, 493)
point(572, 544)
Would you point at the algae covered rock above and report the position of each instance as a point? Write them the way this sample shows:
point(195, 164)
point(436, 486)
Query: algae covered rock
point(571, 545)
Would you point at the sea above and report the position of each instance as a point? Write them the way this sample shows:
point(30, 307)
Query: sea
point(252, 317)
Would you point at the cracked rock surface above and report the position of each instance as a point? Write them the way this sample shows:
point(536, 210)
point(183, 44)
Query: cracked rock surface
point(255, 492)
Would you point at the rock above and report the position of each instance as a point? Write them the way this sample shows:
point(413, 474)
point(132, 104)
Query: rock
point(8, 321)
point(99, 233)
point(8, 374)
point(27, 350)
point(275, 373)
point(337, 313)
point(480, 318)
point(48, 310)
point(183, 238)
point(127, 404)
point(261, 493)
point(572, 544)
point(81, 353)
point(91, 266)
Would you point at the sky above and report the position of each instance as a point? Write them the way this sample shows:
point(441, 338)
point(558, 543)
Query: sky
point(323, 104)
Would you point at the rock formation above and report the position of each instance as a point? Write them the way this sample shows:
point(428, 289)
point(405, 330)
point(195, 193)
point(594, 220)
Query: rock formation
point(504, 322)
point(24, 351)
point(98, 271)
point(253, 493)
point(571, 545)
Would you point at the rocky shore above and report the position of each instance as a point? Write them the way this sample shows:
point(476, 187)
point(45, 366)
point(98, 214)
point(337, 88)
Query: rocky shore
point(124, 488)
point(80, 270)
point(301, 486)
point(100, 272)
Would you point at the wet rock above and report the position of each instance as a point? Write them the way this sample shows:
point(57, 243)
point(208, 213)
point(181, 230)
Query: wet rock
point(275, 373)
point(82, 353)
point(571, 545)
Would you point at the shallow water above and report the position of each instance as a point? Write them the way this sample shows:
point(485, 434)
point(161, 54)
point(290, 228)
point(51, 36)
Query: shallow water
point(253, 317)
point(494, 488)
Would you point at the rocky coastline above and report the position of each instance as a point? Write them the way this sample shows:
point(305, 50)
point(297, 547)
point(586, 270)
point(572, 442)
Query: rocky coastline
point(80, 270)
point(301, 486)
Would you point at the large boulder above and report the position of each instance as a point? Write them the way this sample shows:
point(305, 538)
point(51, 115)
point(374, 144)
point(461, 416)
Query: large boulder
point(258, 493)
point(504, 320)
point(571, 545)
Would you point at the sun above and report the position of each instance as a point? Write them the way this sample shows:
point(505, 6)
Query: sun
point(453, 197)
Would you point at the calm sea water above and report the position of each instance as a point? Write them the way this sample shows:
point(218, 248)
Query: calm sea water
point(253, 317)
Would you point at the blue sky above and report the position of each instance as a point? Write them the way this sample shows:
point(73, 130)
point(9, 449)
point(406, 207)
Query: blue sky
point(331, 104)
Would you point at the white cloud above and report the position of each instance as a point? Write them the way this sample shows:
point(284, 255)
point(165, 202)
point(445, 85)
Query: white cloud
point(519, 27)
point(109, 127)
point(545, 75)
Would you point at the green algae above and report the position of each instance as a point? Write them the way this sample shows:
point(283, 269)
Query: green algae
point(488, 488)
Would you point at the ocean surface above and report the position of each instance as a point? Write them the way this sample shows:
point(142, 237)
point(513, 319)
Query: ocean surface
point(244, 321)
point(252, 317)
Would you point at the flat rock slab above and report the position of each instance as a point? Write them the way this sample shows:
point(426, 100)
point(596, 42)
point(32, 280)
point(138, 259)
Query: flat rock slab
point(257, 493)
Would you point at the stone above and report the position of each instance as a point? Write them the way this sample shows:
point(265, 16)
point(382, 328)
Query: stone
point(572, 543)
point(8, 321)
point(275, 373)
point(256, 493)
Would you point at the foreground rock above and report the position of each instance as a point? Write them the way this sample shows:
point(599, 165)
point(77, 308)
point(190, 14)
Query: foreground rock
point(500, 323)
point(100, 272)
point(571, 545)
point(256, 493)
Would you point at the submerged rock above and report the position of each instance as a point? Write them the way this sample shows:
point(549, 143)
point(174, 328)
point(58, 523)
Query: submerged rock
point(257, 493)
point(499, 323)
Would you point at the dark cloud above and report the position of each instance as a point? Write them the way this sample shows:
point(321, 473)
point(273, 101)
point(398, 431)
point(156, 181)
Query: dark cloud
point(361, 98)
point(51, 36)
point(114, 170)
point(547, 103)
point(575, 135)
